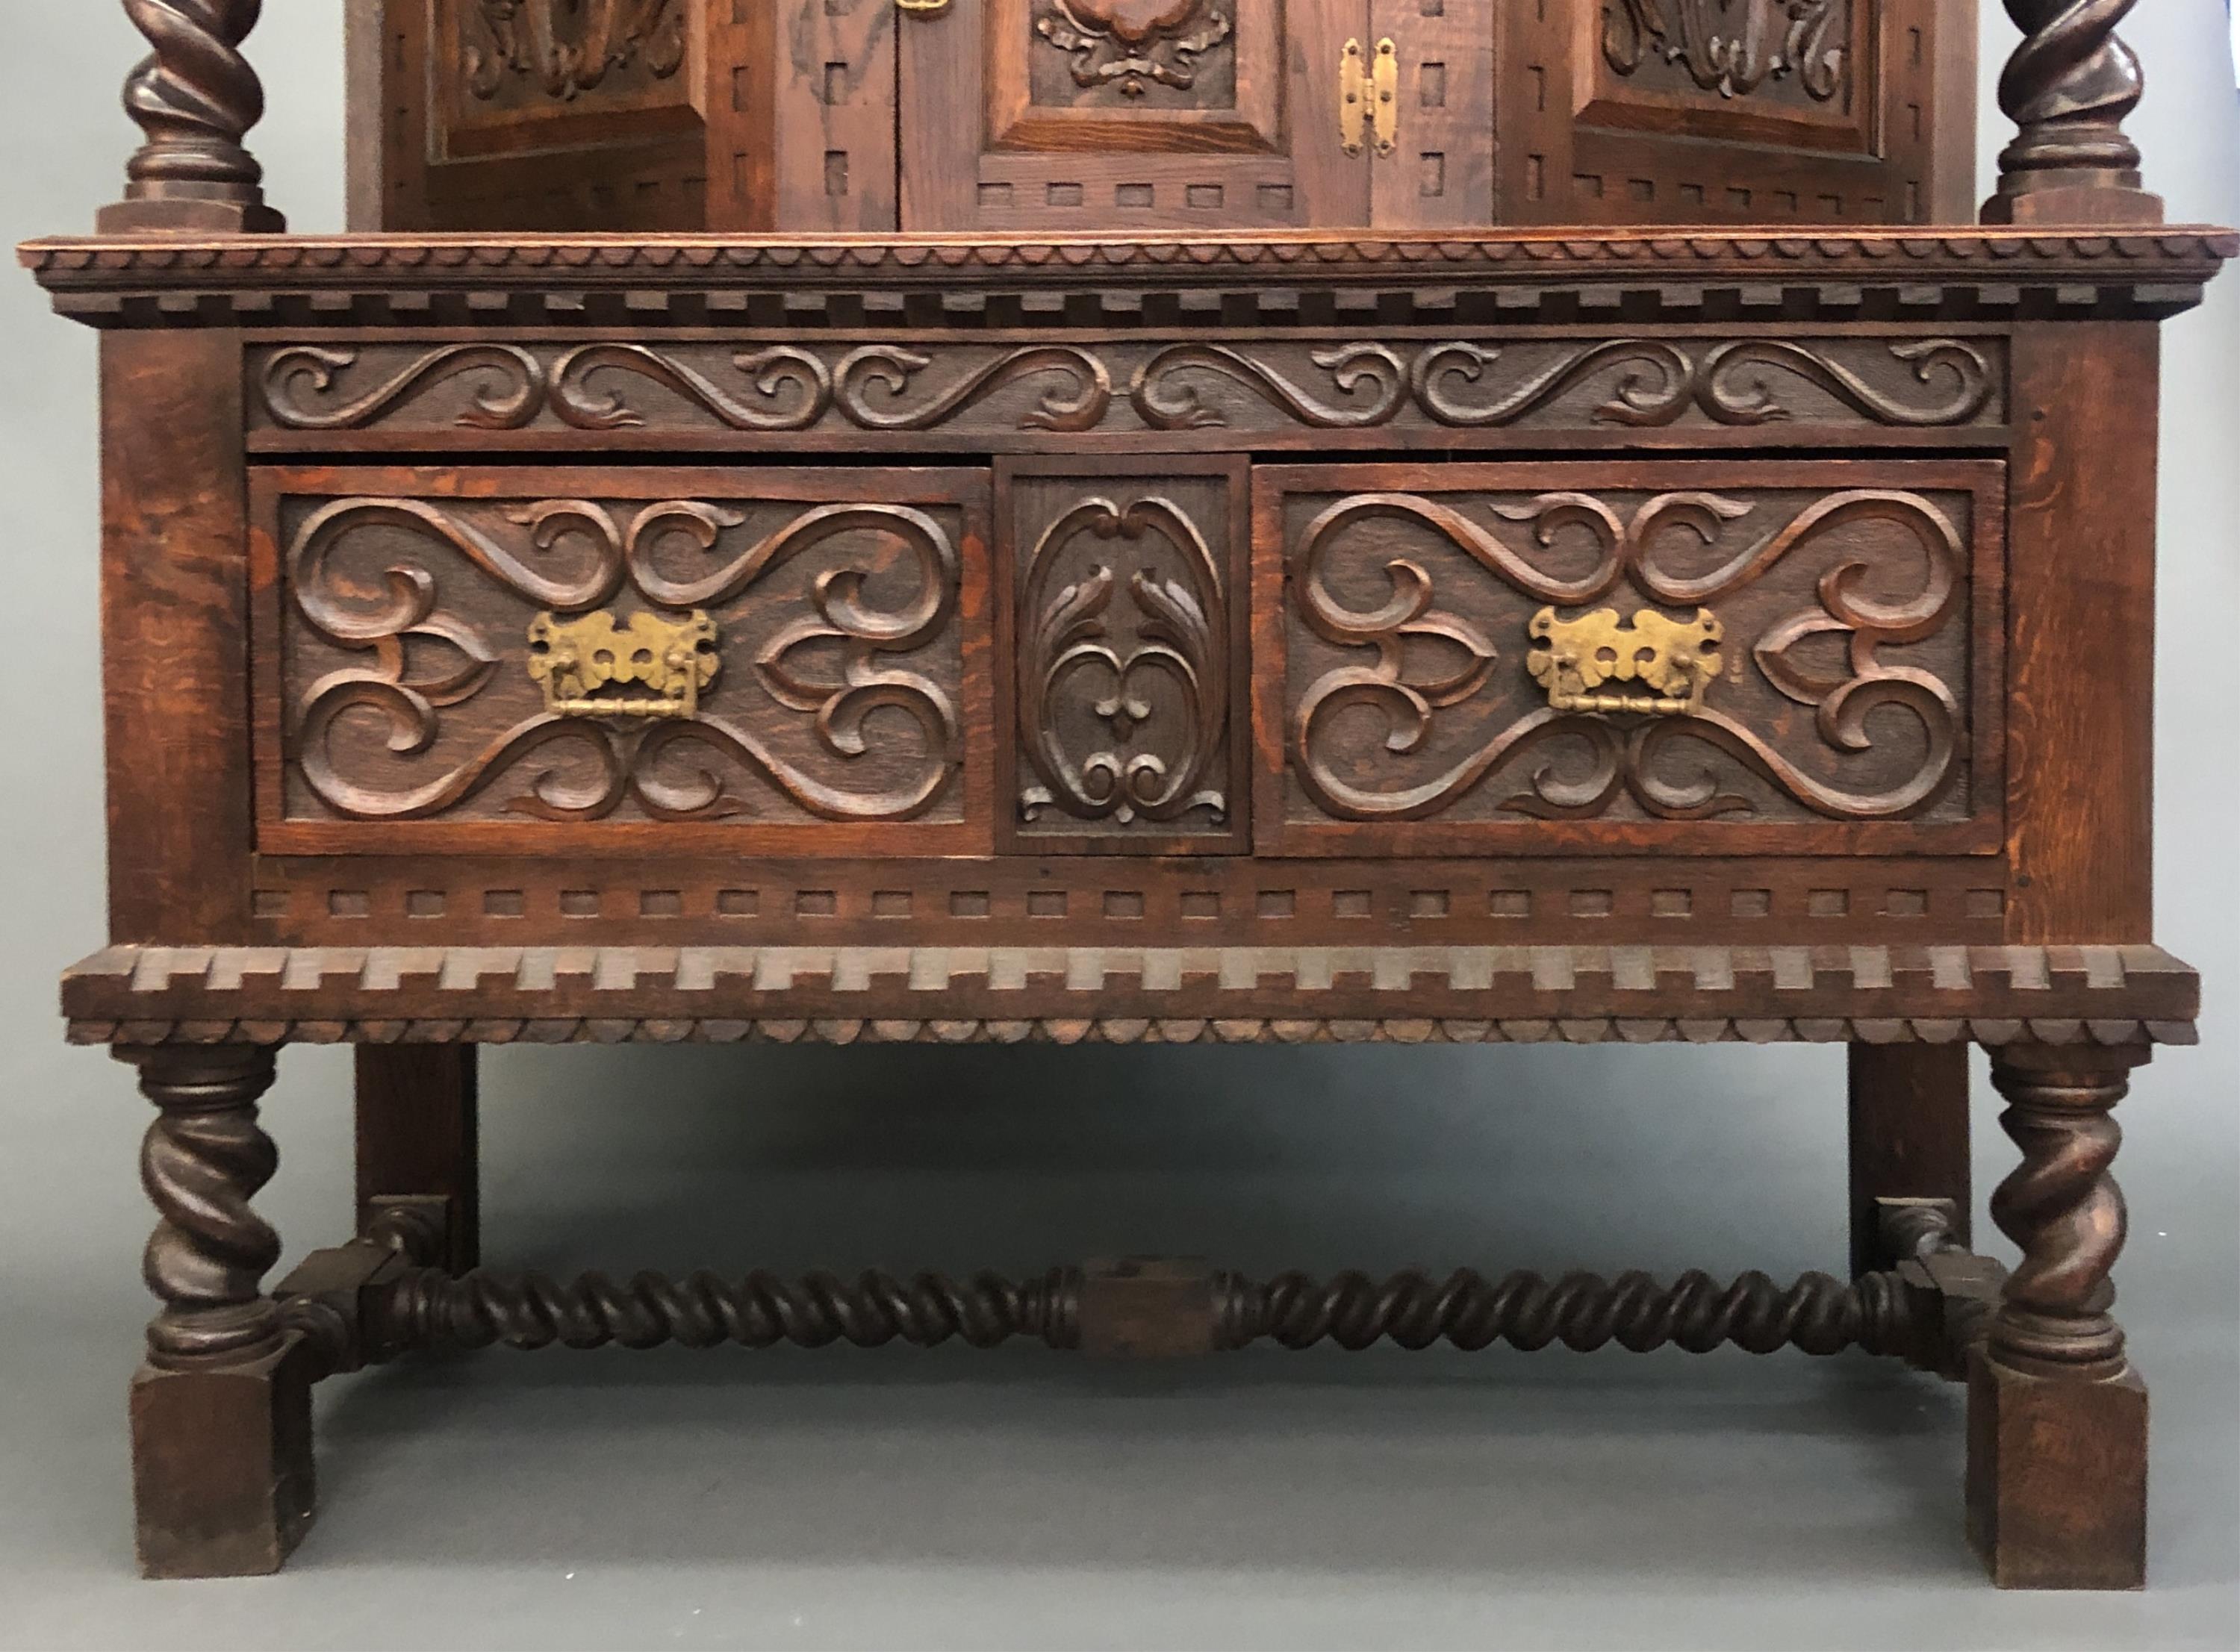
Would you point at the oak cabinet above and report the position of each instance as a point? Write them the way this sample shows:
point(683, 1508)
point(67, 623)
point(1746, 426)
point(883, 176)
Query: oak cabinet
point(1159, 116)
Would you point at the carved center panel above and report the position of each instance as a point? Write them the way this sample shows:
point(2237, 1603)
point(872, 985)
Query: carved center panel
point(1125, 640)
point(1745, 648)
point(674, 654)
point(1773, 51)
point(522, 53)
point(1179, 53)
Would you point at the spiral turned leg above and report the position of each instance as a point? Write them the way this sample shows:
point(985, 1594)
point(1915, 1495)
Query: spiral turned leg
point(2069, 86)
point(2057, 1417)
point(221, 1410)
point(194, 99)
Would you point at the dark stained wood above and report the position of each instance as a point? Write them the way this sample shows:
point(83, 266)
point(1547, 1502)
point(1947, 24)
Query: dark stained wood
point(1909, 1139)
point(2056, 1414)
point(2080, 804)
point(1414, 727)
point(418, 1136)
point(175, 613)
point(683, 606)
point(2069, 86)
point(222, 1472)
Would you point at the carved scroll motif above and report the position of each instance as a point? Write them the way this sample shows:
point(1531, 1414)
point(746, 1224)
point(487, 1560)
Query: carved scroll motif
point(529, 39)
point(837, 664)
point(890, 369)
point(793, 387)
point(1732, 47)
point(1152, 767)
point(1166, 401)
point(1649, 382)
point(1134, 44)
point(299, 386)
point(1631, 757)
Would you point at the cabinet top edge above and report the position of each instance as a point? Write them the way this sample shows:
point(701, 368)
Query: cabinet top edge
point(259, 280)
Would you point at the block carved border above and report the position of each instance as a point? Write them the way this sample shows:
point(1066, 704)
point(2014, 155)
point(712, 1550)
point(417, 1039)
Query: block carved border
point(1995, 995)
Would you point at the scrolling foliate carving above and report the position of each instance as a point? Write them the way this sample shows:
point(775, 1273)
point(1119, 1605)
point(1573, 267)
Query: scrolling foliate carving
point(1134, 756)
point(565, 48)
point(1134, 44)
point(1683, 551)
point(891, 388)
point(299, 385)
point(852, 653)
point(1732, 47)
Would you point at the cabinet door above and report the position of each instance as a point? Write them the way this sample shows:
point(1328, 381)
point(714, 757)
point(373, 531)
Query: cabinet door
point(1078, 116)
point(1436, 170)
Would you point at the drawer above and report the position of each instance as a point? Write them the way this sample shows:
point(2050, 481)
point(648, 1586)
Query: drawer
point(505, 660)
point(1704, 656)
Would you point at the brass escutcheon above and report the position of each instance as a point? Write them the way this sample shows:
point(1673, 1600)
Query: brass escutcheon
point(575, 658)
point(1673, 660)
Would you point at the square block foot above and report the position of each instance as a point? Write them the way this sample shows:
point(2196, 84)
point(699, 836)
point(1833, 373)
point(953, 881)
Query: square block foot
point(2057, 1477)
point(222, 1480)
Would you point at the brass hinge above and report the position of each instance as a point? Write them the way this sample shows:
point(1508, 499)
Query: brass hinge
point(1368, 98)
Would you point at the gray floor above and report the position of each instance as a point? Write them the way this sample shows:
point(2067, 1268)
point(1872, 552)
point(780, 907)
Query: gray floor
point(1024, 1500)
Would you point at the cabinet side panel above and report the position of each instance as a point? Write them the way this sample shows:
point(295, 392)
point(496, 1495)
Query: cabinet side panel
point(2081, 654)
point(174, 600)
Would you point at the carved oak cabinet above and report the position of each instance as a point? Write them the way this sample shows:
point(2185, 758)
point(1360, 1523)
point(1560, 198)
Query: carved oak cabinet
point(1118, 520)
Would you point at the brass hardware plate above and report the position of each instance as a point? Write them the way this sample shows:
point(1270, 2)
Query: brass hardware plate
point(1369, 97)
point(1384, 103)
point(1673, 661)
point(1352, 98)
point(673, 659)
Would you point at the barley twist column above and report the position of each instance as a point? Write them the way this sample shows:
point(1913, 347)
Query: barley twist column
point(194, 99)
point(203, 1160)
point(221, 1478)
point(2057, 1417)
point(2069, 86)
point(2063, 1208)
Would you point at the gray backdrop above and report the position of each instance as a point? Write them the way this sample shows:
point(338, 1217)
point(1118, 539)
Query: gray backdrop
point(984, 1501)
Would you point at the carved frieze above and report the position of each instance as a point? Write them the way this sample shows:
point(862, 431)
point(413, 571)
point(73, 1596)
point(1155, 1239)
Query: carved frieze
point(1796, 653)
point(1734, 48)
point(1258, 386)
point(569, 659)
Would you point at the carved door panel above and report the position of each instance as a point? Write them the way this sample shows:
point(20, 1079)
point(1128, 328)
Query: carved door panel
point(1084, 116)
point(1122, 621)
point(1716, 657)
point(484, 660)
point(1737, 111)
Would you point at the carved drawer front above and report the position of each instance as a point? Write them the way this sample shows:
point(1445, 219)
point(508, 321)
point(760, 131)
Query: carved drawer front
point(1122, 623)
point(1689, 656)
point(780, 661)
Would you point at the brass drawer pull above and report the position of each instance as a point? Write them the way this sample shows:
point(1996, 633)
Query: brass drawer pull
point(575, 658)
point(927, 10)
point(1674, 660)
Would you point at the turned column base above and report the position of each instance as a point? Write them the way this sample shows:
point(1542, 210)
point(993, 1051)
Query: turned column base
point(2057, 1477)
point(222, 1475)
